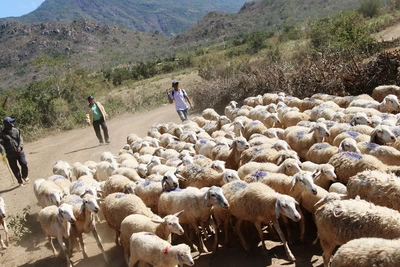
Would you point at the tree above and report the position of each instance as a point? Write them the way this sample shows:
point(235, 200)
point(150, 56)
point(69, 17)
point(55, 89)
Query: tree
point(369, 8)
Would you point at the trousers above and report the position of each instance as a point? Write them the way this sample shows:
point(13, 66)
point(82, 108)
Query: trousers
point(96, 125)
point(13, 160)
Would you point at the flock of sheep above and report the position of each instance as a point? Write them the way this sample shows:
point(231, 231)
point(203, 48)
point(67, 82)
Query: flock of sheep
point(272, 160)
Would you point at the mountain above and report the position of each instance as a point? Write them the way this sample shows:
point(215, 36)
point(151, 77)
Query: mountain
point(168, 17)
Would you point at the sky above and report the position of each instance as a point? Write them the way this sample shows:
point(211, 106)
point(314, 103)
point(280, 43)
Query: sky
point(17, 8)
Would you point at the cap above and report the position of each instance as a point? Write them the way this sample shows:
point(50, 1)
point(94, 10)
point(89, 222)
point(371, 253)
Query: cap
point(9, 119)
point(174, 82)
point(90, 97)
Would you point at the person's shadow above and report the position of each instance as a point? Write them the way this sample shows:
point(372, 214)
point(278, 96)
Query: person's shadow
point(74, 151)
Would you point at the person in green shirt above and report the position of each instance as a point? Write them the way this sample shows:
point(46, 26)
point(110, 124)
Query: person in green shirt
point(97, 117)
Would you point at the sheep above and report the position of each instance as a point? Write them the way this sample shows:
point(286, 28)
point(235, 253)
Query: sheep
point(155, 166)
point(300, 141)
point(204, 147)
point(166, 153)
point(108, 156)
point(117, 206)
point(127, 156)
point(338, 187)
point(131, 138)
point(253, 127)
point(232, 155)
point(200, 121)
point(289, 167)
point(348, 144)
point(130, 173)
point(258, 203)
point(199, 177)
point(380, 92)
point(340, 221)
point(3, 222)
point(63, 183)
point(387, 154)
point(62, 168)
point(104, 169)
point(358, 137)
point(79, 169)
point(368, 251)
point(377, 187)
point(150, 191)
point(322, 111)
point(150, 248)
point(269, 98)
point(47, 192)
point(56, 222)
point(348, 164)
point(229, 109)
point(163, 228)
point(153, 132)
point(210, 114)
point(196, 203)
point(263, 154)
point(320, 153)
point(382, 135)
point(388, 104)
point(291, 118)
point(118, 183)
point(324, 175)
point(84, 207)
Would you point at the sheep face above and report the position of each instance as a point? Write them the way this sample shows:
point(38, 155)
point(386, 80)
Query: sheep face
point(286, 205)
point(218, 165)
point(184, 255)
point(169, 181)
point(382, 135)
point(391, 103)
point(291, 166)
point(90, 203)
point(240, 143)
point(348, 144)
point(2, 208)
point(172, 222)
point(328, 171)
point(230, 175)
point(305, 180)
point(55, 197)
point(281, 145)
point(66, 213)
point(360, 118)
point(215, 196)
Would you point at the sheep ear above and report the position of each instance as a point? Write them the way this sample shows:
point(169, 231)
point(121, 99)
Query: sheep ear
point(277, 209)
point(312, 129)
point(316, 174)
point(178, 213)
point(179, 258)
point(206, 198)
point(82, 207)
point(374, 137)
point(293, 183)
point(84, 193)
point(160, 220)
point(60, 215)
point(280, 160)
point(180, 177)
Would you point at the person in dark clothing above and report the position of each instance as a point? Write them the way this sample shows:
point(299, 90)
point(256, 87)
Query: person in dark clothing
point(12, 143)
point(97, 116)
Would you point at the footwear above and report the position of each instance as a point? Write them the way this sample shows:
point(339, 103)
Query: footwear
point(26, 180)
point(21, 185)
point(108, 141)
point(101, 142)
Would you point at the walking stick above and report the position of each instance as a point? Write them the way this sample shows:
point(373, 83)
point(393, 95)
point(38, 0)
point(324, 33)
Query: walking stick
point(5, 162)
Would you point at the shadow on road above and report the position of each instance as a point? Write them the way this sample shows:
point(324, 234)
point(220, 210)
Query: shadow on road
point(86, 148)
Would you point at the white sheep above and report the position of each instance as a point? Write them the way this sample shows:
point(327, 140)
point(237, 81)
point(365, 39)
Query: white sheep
point(348, 144)
point(117, 206)
point(148, 247)
point(289, 167)
point(210, 114)
point(84, 207)
point(104, 169)
point(3, 222)
point(324, 175)
point(377, 187)
point(320, 153)
point(380, 92)
point(132, 138)
point(358, 137)
point(118, 183)
point(338, 187)
point(387, 154)
point(253, 127)
point(348, 164)
point(56, 222)
point(231, 155)
point(340, 221)
point(131, 174)
point(47, 192)
point(368, 251)
point(163, 228)
point(291, 118)
point(389, 103)
point(79, 169)
point(108, 156)
point(258, 203)
point(301, 140)
point(196, 203)
point(198, 176)
point(63, 183)
point(62, 168)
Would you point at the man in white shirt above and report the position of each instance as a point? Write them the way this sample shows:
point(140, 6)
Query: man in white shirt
point(181, 99)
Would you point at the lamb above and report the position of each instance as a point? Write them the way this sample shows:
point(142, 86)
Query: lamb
point(62, 168)
point(196, 203)
point(163, 228)
point(47, 192)
point(340, 221)
point(150, 191)
point(348, 164)
point(300, 141)
point(84, 207)
point(380, 92)
point(377, 187)
point(3, 222)
point(150, 248)
point(389, 103)
point(104, 169)
point(118, 183)
point(368, 251)
point(258, 203)
point(289, 167)
point(199, 177)
point(117, 206)
point(56, 222)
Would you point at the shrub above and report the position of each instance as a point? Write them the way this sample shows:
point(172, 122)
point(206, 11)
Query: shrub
point(19, 224)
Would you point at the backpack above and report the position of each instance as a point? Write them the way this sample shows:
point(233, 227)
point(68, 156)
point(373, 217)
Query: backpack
point(183, 90)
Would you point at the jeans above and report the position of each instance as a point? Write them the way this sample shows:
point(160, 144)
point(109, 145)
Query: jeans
point(183, 114)
point(96, 126)
point(13, 159)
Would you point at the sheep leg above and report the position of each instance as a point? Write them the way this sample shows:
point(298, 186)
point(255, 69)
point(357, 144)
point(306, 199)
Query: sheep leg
point(99, 244)
point(65, 249)
point(117, 237)
point(239, 232)
point(283, 239)
point(288, 229)
point(199, 235)
point(226, 229)
point(132, 260)
point(2, 243)
point(85, 256)
point(328, 250)
point(52, 245)
point(216, 229)
point(302, 224)
point(189, 241)
point(261, 234)
point(6, 232)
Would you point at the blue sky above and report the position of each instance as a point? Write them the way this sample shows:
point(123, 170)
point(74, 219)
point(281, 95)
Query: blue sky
point(16, 8)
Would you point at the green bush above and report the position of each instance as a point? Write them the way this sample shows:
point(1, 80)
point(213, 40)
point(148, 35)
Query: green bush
point(369, 8)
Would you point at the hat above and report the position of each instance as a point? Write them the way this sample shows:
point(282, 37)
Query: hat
point(9, 119)
point(174, 82)
point(90, 98)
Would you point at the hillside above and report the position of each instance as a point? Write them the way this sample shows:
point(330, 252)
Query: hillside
point(169, 17)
